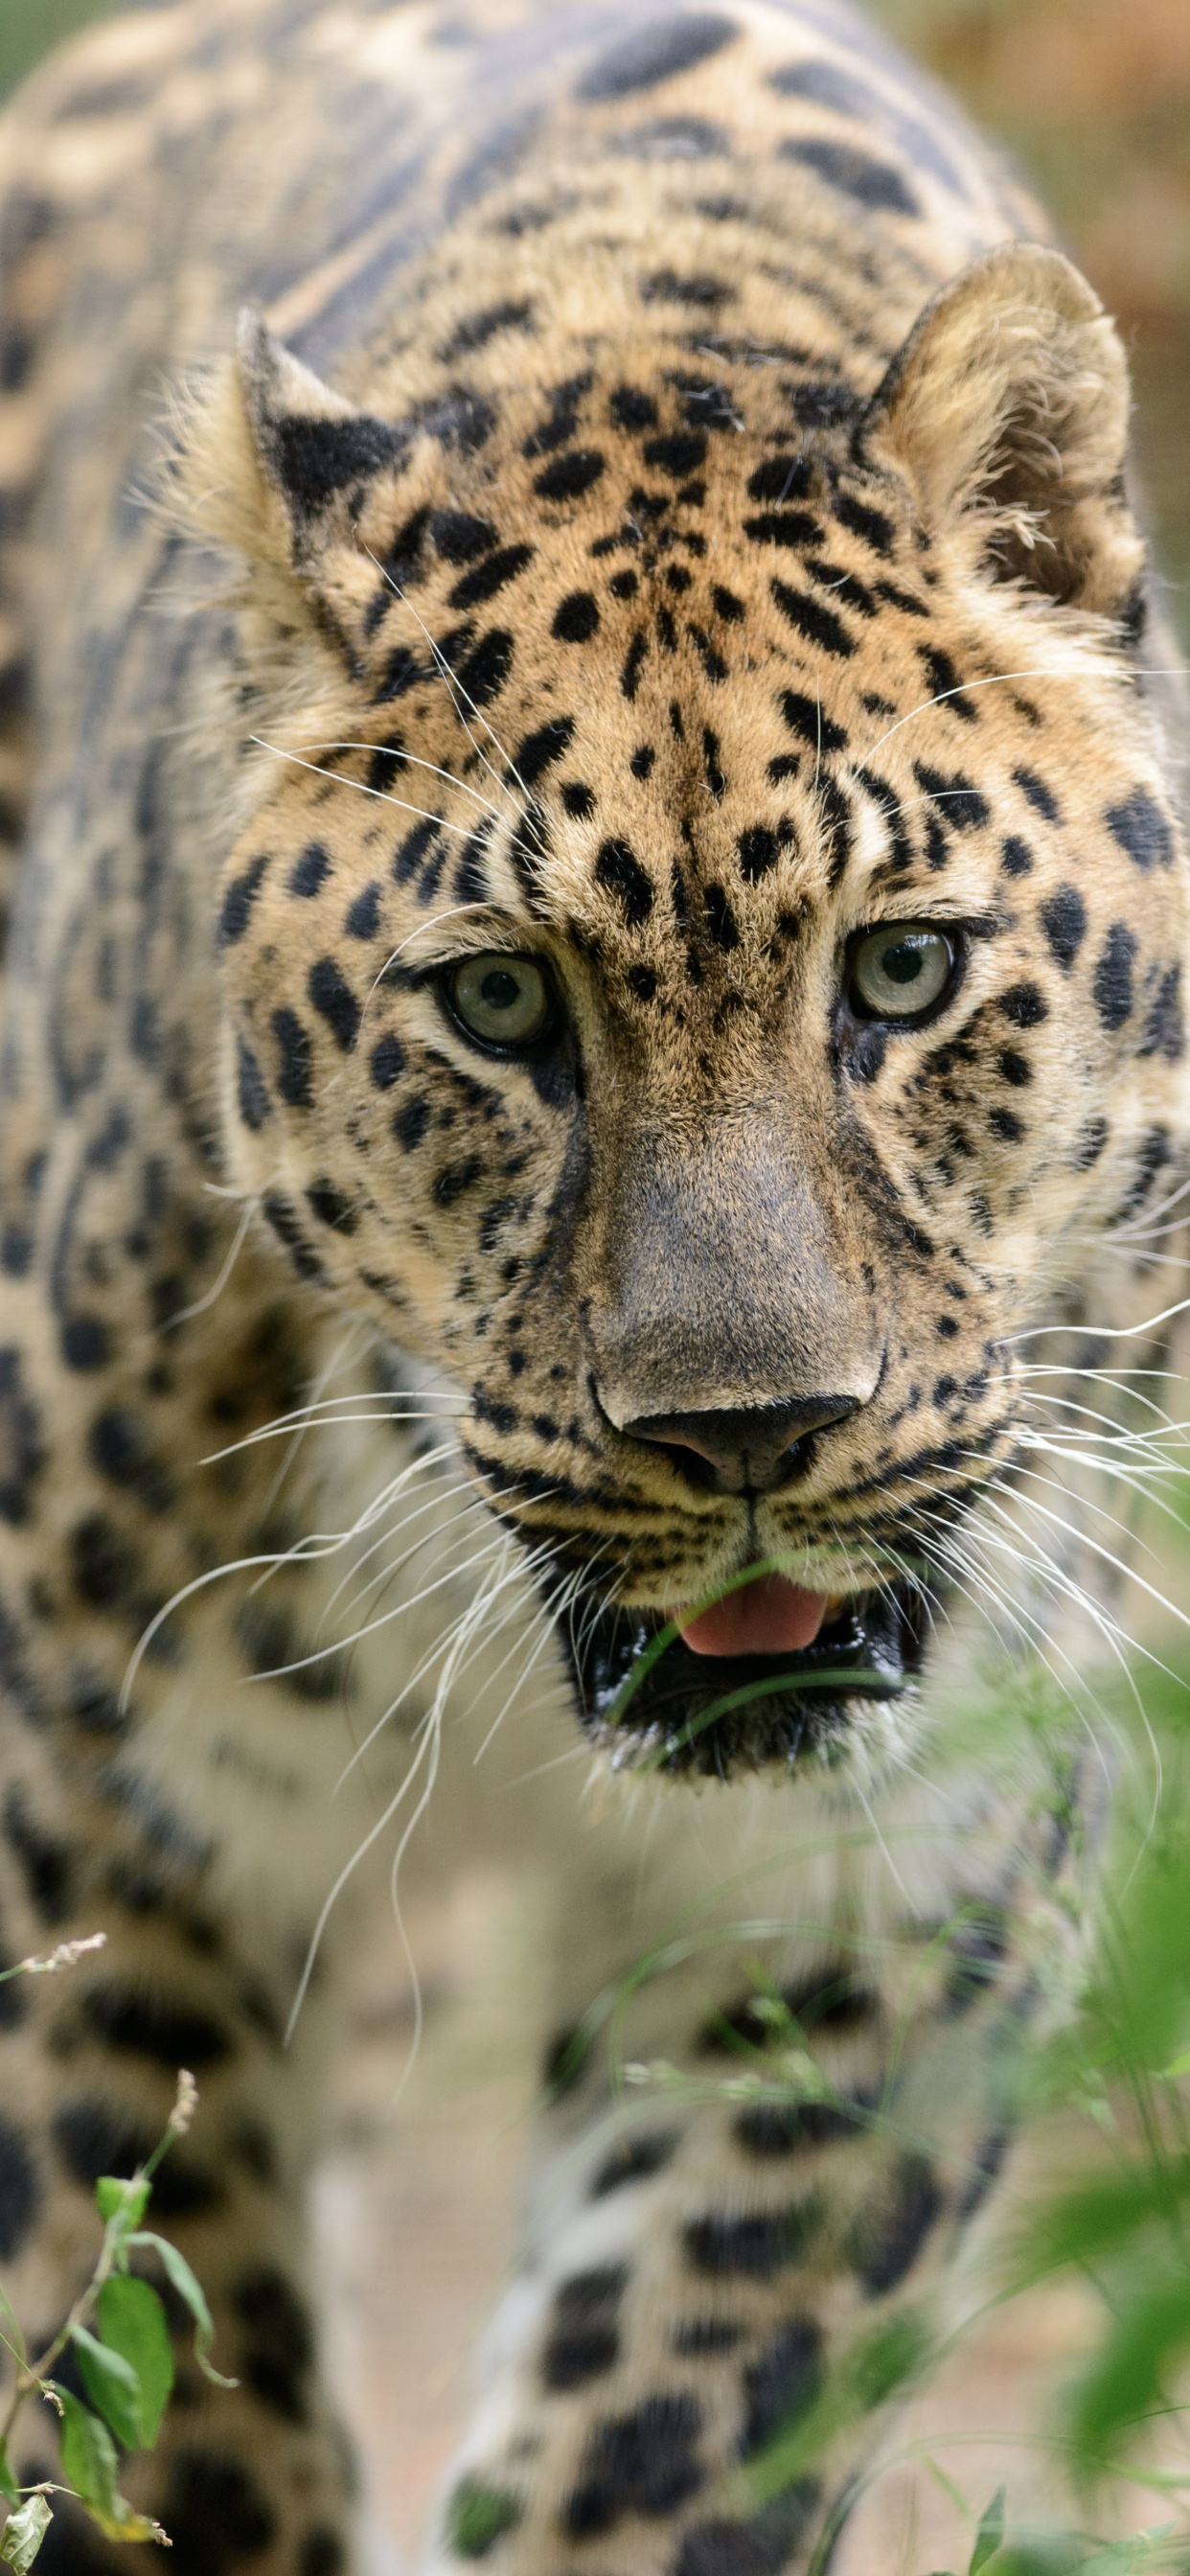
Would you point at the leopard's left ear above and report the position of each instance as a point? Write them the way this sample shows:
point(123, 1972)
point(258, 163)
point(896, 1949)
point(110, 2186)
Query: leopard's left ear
point(1007, 407)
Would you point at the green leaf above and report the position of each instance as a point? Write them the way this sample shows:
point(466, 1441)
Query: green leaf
point(179, 2272)
point(115, 2199)
point(132, 2323)
point(8, 2485)
point(990, 2532)
point(112, 2386)
point(89, 2464)
point(24, 2532)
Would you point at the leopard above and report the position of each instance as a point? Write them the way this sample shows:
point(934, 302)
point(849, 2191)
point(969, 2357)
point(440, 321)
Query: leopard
point(590, 759)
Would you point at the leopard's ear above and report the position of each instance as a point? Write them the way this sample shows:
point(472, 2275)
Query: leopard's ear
point(1007, 407)
point(275, 465)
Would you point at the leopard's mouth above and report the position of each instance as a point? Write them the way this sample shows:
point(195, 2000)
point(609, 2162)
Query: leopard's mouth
point(670, 1709)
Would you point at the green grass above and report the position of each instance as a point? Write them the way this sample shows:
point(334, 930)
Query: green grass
point(28, 28)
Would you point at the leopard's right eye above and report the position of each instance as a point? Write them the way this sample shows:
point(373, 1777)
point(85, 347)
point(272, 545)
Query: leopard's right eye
point(502, 1000)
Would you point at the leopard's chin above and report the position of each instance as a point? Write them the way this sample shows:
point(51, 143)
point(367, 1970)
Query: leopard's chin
point(679, 1712)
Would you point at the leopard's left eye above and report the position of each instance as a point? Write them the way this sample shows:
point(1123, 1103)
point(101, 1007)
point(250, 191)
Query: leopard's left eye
point(902, 971)
point(503, 1000)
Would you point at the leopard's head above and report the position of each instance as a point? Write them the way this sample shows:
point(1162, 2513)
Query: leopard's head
point(702, 960)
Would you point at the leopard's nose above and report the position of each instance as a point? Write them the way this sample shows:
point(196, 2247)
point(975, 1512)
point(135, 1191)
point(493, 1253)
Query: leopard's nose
point(751, 1451)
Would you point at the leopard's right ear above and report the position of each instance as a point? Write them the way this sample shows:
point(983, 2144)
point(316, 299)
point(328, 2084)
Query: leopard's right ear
point(275, 465)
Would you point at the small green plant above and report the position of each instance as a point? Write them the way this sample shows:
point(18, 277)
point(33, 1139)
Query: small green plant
point(119, 2335)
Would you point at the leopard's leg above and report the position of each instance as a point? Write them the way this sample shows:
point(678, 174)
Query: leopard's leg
point(192, 1807)
point(709, 2266)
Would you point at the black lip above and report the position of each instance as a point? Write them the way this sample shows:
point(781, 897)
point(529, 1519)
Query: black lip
point(672, 1721)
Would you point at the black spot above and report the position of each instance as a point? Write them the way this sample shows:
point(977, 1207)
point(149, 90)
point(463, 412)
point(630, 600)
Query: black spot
point(251, 1090)
point(1063, 917)
point(278, 1212)
point(1111, 984)
point(482, 676)
point(1090, 1143)
point(783, 528)
point(818, 624)
point(874, 184)
point(410, 853)
point(1140, 828)
point(331, 1208)
point(1154, 1154)
point(1038, 795)
point(21, 1454)
point(310, 871)
point(584, 2338)
point(295, 1053)
point(754, 2247)
point(476, 329)
point(727, 606)
point(712, 764)
point(85, 1342)
point(945, 682)
point(712, 661)
point(782, 2384)
point(679, 454)
point(20, 2191)
point(576, 618)
point(1024, 1005)
point(876, 530)
point(643, 761)
point(214, 2512)
point(976, 1950)
point(959, 802)
point(780, 479)
point(772, 2129)
point(459, 538)
point(103, 1563)
point(410, 1123)
point(640, 2463)
point(331, 995)
point(762, 2546)
point(805, 718)
point(721, 920)
point(1016, 857)
point(363, 919)
point(487, 578)
point(317, 458)
point(704, 293)
point(889, 2240)
point(758, 851)
point(633, 410)
point(451, 1184)
point(539, 750)
point(94, 2138)
point(634, 662)
point(45, 1861)
point(387, 1062)
point(174, 2034)
point(658, 52)
point(618, 868)
point(237, 903)
point(1013, 1068)
point(578, 800)
point(570, 476)
point(1164, 1027)
point(636, 2160)
point(279, 2341)
point(623, 585)
point(385, 766)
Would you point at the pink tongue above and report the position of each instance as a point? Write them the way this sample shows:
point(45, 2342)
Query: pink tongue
point(768, 1617)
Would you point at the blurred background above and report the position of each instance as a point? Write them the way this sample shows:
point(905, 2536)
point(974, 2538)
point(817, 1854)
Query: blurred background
point(1093, 98)
point(417, 2216)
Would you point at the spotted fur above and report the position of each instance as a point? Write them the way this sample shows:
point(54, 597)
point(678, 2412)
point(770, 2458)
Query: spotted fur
point(666, 513)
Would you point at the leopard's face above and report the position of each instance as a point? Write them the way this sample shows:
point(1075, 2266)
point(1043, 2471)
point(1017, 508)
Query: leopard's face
point(708, 996)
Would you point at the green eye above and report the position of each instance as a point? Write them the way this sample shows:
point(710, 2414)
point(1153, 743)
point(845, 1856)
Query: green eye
point(501, 1000)
point(901, 971)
